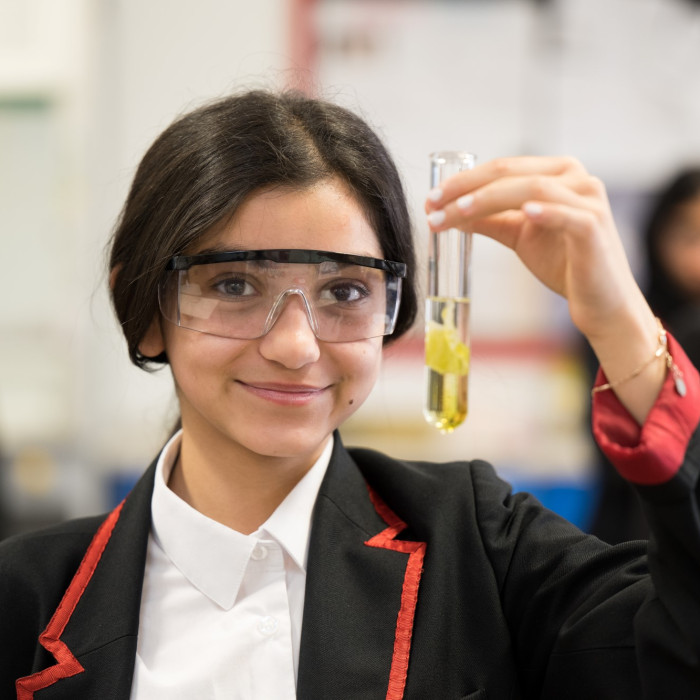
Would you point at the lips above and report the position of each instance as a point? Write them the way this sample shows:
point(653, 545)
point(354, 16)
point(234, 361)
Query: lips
point(285, 394)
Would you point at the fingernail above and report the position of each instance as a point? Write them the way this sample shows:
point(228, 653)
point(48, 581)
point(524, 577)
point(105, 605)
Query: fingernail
point(465, 202)
point(435, 218)
point(435, 195)
point(532, 209)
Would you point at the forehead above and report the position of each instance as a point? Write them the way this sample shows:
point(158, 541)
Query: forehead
point(322, 217)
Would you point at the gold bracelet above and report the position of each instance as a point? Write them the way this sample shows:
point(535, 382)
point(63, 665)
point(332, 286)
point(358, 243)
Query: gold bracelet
point(661, 351)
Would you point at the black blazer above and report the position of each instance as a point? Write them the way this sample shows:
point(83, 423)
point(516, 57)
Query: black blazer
point(425, 581)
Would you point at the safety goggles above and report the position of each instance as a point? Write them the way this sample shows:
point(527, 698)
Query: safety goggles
point(240, 294)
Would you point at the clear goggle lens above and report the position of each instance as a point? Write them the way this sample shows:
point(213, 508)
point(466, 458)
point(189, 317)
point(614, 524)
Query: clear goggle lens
point(240, 294)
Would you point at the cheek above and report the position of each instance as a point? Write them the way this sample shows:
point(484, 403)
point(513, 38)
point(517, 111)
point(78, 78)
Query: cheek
point(363, 364)
point(194, 356)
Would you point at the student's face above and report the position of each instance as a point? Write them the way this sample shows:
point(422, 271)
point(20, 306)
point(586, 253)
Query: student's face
point(680, 248)
point(284, 393)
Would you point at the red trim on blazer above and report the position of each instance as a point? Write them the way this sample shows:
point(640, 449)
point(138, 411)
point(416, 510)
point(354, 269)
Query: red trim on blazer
point(67, 664)
point(409, 594)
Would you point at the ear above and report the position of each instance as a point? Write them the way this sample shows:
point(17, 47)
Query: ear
point(153, 342)
point(113, 274)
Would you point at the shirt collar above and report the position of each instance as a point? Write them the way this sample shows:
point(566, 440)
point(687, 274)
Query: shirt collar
point(214, 557)
point(290, 523)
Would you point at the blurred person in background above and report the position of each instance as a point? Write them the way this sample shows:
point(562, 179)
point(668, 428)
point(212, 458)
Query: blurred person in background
point(672, 244)
point(672, 257)
point(265, 254)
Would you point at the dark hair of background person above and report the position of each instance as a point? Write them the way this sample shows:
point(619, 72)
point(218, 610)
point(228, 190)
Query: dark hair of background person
point(664, 294)
point(201, 169)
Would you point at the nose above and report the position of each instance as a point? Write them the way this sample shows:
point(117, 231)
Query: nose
point(291, 340)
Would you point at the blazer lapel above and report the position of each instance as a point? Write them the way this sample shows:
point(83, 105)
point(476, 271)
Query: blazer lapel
point(361, 592)
point(93, 632)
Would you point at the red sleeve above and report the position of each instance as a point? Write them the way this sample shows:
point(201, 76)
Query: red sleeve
point(653, 453)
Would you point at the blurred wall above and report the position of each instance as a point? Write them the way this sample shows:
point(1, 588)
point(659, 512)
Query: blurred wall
point(85, 85)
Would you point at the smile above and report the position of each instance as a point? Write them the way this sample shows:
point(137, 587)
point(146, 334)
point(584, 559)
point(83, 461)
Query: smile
point(285, 394)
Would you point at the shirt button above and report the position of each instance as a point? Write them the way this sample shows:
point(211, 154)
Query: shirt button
point(267, 625)
point(259, 552)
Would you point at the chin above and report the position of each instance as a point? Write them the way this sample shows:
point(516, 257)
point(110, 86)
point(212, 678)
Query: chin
point(283, 445)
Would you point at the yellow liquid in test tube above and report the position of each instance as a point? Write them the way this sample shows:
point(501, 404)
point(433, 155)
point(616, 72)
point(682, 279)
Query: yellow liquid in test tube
point(447, 361)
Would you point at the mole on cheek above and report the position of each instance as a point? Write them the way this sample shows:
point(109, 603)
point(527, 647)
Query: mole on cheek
point(351, 402)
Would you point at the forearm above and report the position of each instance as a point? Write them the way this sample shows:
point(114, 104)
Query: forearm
point(630, 357)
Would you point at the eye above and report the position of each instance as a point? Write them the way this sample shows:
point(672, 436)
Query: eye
point(235, 287)
point(345, 292)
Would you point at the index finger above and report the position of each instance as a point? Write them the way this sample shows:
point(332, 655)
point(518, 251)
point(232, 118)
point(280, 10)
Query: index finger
point(470, 180)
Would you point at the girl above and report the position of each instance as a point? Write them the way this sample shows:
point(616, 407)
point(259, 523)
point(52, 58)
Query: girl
point(265, 253)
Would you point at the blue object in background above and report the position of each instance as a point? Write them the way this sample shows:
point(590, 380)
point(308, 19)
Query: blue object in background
point(118, 486)
point(573, 500)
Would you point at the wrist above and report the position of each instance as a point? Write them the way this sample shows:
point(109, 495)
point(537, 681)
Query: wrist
point(660, 354)
point(634, 357)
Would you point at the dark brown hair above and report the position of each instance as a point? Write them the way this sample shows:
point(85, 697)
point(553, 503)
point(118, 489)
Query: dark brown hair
point(203, 167)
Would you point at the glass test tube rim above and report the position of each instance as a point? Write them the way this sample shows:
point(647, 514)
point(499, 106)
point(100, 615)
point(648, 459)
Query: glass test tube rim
point(452, 156)
point(456, 160)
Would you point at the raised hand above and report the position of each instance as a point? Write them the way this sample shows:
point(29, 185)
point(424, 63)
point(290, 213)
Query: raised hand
point(557, 219)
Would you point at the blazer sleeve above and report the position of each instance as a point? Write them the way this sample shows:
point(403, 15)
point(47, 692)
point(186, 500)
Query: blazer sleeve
point(591, 620)
point(662, 460)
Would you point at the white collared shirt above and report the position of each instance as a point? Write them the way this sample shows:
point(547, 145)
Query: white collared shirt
point(221, 611)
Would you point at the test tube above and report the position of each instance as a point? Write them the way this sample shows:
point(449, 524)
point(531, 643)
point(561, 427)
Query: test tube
point(447, 349)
